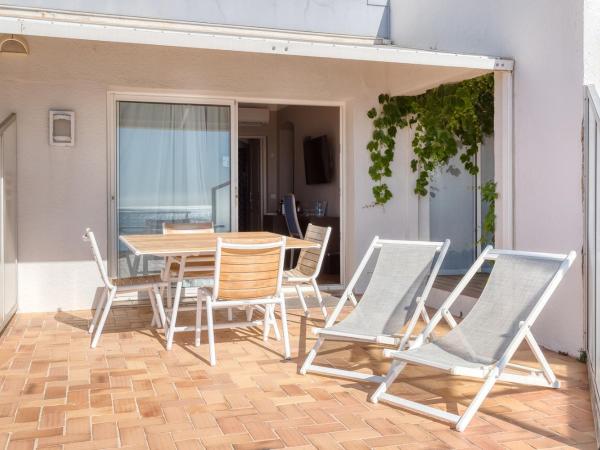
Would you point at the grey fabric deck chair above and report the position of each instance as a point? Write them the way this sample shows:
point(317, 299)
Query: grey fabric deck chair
point(482, 345)
point(395, 297)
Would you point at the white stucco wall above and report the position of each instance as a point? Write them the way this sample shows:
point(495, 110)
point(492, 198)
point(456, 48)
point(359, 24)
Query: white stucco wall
point(545, 38)
point(62, 191)
point(591, 42)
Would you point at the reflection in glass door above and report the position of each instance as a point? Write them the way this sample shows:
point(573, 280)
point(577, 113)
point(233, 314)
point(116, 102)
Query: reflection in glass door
point(173, 165)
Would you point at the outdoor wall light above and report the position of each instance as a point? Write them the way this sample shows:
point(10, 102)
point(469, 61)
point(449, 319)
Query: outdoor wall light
point(13, 44)
point(62, 128)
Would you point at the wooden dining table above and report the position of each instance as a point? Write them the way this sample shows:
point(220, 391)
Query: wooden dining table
point(179, 247)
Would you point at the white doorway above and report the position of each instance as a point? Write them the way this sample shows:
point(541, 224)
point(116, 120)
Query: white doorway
point(251, 198)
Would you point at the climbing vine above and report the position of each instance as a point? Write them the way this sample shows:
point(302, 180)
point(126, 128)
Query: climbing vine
point(489, 196)
point(449, 120)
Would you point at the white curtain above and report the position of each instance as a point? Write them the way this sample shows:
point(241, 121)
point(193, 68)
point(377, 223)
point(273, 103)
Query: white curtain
point(172, 160)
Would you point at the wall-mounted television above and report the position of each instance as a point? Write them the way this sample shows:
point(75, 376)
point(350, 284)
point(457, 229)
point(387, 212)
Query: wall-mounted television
point(318, 164)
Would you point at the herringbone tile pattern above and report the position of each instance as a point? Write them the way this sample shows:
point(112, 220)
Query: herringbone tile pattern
point(57, 393)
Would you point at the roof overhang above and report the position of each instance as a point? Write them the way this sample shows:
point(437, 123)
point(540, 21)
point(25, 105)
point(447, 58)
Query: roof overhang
point(59, 24)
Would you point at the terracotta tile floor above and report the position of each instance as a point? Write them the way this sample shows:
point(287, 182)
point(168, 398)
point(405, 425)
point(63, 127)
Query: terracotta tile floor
point(57, 393)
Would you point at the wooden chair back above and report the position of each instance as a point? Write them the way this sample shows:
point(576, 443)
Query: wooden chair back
point(196, 266)
point(311, 259)
point(248, 270)
point(187, 228)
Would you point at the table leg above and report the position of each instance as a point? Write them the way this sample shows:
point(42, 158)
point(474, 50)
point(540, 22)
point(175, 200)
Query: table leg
point(176, 300)
point(167, 278)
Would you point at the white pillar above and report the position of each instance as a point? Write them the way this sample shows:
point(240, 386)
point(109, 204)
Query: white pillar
point(504, 158)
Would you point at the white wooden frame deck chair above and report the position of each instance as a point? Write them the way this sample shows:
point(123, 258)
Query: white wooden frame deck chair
point(250, 276)
point(309, 265)
point(395, 298)
point(114, 286)
point(484, 342)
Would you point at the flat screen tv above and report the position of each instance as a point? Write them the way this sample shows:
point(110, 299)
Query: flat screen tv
point(318, 166)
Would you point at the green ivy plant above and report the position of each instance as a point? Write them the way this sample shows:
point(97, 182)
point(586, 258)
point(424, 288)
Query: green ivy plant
point(448, 119)
point(489, 196)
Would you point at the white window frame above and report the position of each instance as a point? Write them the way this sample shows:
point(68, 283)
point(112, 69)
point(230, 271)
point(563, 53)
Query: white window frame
point(113, 98)
point(345, 212)
point(233, 102)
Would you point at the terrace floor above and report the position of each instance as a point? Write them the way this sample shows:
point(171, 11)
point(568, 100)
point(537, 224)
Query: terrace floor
point(57, 393)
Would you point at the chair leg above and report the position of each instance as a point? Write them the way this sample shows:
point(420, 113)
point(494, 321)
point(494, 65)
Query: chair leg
point(198, 330)
point(275, 326)
point(152, 299)
point(169, 295)
point(319, 297)
point(266, 324)
point(136, 265)
point(539, 355)
point(211, 331)
point(269, 321)
point(99, 308)
point(173, 323)
point(301, 297)
point(249, 311)
point(159, 306)
point(466, 418)
point(229, 314)
point(395, 369)
point(284, 327)
point(109, 300)
point(311, 355)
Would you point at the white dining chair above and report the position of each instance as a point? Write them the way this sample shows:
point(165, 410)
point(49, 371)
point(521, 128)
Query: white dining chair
point(196, 267)
point(247, 275)
point(309, 265)
point(115, 286)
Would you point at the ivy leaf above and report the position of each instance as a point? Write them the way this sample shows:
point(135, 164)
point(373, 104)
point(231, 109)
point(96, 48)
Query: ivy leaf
point(446, 119)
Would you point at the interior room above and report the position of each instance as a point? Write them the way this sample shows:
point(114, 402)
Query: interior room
point(291, 149)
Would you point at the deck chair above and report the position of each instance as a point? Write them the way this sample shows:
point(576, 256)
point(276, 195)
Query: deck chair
point(395, 298)
point(484, 342)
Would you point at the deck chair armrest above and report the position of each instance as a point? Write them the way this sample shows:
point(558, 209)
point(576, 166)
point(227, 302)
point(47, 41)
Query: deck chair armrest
point(449, 318)
point(428, 331)
point(338, 308)
point(390, 353)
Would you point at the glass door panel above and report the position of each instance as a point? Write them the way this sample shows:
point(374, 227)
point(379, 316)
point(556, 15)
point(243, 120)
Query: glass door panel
point(453, 215)
point(173, 165)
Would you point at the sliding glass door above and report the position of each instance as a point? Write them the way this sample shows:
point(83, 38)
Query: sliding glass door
point(173, 164)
